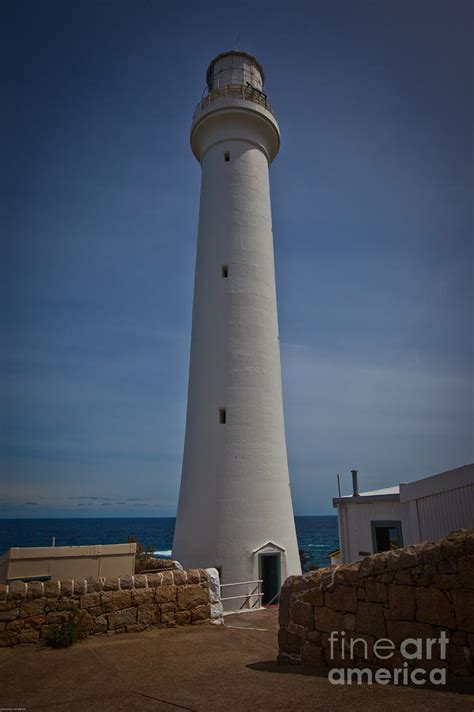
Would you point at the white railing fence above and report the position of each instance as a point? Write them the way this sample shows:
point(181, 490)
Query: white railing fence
point(250, 600)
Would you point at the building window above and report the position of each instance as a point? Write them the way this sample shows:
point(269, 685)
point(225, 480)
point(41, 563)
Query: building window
point(227, 156)
point(386, 536)
point(225, 271)
point(222, 416)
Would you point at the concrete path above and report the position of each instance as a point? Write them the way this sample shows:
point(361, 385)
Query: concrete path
point(202, 668)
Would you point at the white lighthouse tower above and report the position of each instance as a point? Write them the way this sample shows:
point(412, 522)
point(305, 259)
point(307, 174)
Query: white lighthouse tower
point(235, 511)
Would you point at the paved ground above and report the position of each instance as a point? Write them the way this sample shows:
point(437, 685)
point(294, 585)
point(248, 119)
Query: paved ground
point(202, 668)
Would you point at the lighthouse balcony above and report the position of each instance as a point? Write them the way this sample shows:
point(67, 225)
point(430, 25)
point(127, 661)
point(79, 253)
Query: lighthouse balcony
point(233, 93)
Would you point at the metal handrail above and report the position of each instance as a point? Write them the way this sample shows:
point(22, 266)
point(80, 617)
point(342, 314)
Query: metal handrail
point(256, 593)
point(234, 91)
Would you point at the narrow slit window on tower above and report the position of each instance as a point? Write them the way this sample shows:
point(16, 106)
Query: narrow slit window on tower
point(225, 271)
point(222, 416)
point(227, 156)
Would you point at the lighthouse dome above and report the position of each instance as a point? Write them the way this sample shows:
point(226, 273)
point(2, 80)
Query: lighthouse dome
point(235, 67)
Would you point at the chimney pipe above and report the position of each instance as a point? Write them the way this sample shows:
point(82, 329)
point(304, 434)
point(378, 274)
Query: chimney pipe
point(355, 483)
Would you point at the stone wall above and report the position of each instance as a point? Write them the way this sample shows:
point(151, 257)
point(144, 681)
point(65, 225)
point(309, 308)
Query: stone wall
point(415, 592)
point(30, 612)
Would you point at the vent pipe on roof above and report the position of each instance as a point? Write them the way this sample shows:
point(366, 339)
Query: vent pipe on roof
point(355, 483)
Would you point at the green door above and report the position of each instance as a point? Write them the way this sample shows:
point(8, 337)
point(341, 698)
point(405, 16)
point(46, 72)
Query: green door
point(270, 574)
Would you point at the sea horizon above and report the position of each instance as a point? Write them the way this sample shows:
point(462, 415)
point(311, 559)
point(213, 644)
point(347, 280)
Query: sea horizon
point(317, 534)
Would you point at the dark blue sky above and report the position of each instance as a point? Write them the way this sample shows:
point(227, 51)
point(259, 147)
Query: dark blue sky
point(371, 193)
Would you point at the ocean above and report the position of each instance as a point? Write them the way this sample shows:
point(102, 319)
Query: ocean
point(316, 535)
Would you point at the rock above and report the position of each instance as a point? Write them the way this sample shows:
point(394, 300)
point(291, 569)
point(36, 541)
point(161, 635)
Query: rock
point(126, 583)
point(8, 638)
point(17, 590)
point(466, 571)
point(302, 614)
point(29, 636)
point(312, 654)
point(35, 589)
point(200, 613)
point(314, 596)
point(463, 602)
point(148, 614)
point(90, 599)
point(374, 591)
point(179, 578)
point(342, 598)
point(143, 595)
point(111, 584)
point(164, 594)
point(326, 620)
point(94, 584)
point(432, 606)
point(192, 596)
point(115, 600)
point(127, 616)
point(370, 619)
point(288, 642)
point(183, 617)
point(401, 602)
point(10, 614)
point(100, 624)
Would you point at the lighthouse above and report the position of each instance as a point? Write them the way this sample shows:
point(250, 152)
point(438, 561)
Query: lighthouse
point(235, 511)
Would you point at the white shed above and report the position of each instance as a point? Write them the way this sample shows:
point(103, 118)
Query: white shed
point(427, 509)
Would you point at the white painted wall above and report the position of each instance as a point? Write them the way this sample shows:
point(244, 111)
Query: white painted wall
point(235, 491)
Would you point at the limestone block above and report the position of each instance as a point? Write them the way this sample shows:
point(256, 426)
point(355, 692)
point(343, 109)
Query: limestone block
point(349, 621)
point(398, 631)
point(314, 596)
point(148, 614)
point(168, 619)
point(374, 591)
point(80, 587)
point(288, 642)
point(100, 624)
point(90, 599)
point(448, 566)
point(10, 614)
point(115, 600)
point(466, 571)
point(370, 619)
point(3, 592)
point(179, 578)
point(192, 596)
point(445, 582)
point(169, 607)
point(127, 583)
point(409, 557)
point(155, 580)
point(35, 589)
point(298, 630)
point(143, 595)
point(193, 575)
point(122, 618)
point(28, 636)
point(140, 581)
point(59, 617)
point(51, 604)
point(17, 590)
point(312, 654)
point(302, 614)
point(33, 607)
point(183, 617)
point(48, 629)
point(94, 583)
point(165, 594)
point(342, 598)
point(69, 604)
point(17, 624)
point(327, 620)
point(167, 578)
point(35, 622)
point(431, 553)
point(215, 595)
point(433, 606)
point(67, 587)
point(404, 578)
point(401, 602)
point(463, 602)
point(111, 584)
point(8, 638)
point(200, 613)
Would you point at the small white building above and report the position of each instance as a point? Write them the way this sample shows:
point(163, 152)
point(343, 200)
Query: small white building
point(427, 509)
